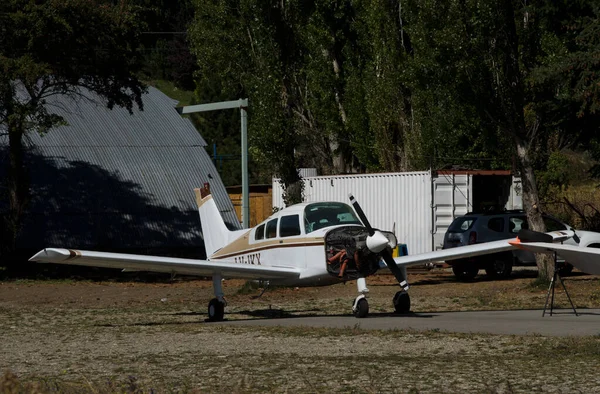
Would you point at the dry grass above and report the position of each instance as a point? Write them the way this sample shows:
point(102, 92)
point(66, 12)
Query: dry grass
point(133, 338)
point(577, 205)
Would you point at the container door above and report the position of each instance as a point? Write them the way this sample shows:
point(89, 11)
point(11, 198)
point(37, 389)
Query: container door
point(452, 196)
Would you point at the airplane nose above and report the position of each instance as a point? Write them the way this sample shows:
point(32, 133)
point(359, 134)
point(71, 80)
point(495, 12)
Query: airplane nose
point(377, 242)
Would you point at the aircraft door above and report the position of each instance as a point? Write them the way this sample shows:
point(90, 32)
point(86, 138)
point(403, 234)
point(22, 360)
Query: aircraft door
point(291, 251)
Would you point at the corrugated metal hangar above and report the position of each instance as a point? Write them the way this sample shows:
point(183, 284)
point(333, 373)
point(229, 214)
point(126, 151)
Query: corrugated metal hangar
point(112, 181)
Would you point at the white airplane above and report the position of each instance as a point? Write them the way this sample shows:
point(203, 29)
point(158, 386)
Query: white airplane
point(308, 244)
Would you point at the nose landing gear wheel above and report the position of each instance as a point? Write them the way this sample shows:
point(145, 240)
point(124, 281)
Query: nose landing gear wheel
point(216, 310)
point(401, 302)
point(361, 309)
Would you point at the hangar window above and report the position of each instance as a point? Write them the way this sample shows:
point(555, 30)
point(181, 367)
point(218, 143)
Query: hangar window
point(289, 226)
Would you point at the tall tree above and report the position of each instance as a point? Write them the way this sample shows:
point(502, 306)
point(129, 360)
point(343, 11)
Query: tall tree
point(53, 47)
point(254, 48)
point(505, 66)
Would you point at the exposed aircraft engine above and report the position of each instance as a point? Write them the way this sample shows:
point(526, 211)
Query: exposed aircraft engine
point(348, 255)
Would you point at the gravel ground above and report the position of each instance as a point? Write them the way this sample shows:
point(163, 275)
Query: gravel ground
point(138, 337)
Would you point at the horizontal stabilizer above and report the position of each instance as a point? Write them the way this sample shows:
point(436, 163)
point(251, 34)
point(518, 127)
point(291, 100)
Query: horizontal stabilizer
point(526, 235)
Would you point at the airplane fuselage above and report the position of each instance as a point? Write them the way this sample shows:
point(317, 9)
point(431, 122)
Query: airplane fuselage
point(307, 237)
point(303, 252)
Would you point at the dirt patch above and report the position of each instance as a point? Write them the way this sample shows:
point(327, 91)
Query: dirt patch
point(111, 336)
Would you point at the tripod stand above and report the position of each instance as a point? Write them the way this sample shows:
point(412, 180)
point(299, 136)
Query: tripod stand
point(552, 287)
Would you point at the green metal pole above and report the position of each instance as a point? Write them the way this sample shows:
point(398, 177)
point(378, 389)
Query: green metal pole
point(245, 185)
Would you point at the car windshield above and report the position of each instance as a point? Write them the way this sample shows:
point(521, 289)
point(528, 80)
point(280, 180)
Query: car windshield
point(325, 214)
point(460, 225)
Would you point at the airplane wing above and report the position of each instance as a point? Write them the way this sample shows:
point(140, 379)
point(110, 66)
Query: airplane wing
point(132, 262)
point(459, 252)
point(585, 259)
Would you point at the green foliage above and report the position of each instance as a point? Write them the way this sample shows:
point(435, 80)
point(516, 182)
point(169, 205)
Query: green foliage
point(164, 45)
point(48, 48)
point(595, 151)
point(402, 85)
point(556, 175)
point(451, 93)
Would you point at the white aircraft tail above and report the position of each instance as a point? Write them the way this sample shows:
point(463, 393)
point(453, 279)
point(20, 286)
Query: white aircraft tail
point(215, 233)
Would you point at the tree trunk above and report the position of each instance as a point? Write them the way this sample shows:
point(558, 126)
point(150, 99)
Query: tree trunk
point(17, 189)
point(512, 103)
point(339, 164)
point(544, 262)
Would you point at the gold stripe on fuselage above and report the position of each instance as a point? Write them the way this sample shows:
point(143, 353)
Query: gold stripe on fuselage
point(242, 245)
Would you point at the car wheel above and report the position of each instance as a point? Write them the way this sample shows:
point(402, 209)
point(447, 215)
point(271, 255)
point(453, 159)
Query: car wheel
point(500, 267)
point(465, 271)
point(565, 269)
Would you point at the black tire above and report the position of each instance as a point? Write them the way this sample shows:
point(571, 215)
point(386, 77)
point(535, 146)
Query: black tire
point(500, 267)
point(216, 310)
point(401, 302)
point(565, 269)
point(465, 271)
point(362, 308)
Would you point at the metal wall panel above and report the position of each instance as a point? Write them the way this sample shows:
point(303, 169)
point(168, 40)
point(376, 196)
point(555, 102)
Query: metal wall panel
point(400, 200)
point(452, 197)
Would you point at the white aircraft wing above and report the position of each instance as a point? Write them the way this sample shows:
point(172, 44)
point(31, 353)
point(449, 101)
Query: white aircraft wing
point(585, 259)
point(133, 262)
point(459, 252)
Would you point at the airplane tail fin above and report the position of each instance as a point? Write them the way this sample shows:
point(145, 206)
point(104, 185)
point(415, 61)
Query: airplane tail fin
point(215, 233)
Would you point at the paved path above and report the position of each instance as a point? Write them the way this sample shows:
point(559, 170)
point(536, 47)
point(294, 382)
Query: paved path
point(520, 322)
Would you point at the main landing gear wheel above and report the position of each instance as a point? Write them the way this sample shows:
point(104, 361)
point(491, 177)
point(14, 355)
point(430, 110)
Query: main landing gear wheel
point(360, 308)
point(465, 272)
point(216, 310)
point(500, 267)
point(402, 302)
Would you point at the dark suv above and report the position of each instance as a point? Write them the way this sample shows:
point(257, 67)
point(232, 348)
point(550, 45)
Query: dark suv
point(475, 228)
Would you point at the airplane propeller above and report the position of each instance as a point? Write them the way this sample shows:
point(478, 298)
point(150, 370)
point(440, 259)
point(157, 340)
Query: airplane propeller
point(376, 244)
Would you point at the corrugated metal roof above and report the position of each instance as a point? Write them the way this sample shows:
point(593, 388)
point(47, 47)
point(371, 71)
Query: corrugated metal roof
point(110, 180)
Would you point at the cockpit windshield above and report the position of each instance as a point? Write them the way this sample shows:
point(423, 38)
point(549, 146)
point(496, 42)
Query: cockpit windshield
point(325, 214)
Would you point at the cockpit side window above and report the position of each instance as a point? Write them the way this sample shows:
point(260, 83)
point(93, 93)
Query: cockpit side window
point(260, 232)
point(289, 226)
point(326, 214)
point(272, 228)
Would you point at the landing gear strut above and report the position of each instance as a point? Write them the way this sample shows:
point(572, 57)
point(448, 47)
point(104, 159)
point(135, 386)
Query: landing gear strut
point(216, 306)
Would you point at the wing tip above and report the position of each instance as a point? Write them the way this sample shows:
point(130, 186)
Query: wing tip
point(50, 255)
